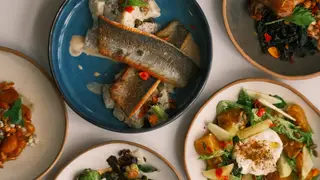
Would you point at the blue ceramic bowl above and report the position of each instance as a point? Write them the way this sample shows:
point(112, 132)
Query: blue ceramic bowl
point(74, 18)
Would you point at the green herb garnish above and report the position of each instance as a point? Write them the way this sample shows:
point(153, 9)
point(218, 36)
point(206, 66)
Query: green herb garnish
point(216, 153)
point(147, 168)
point(292, 163)
point(282, 104)
point(259, 177)
point(301, 16)
point(244, 99)
point(139, 3)
point(15, 113)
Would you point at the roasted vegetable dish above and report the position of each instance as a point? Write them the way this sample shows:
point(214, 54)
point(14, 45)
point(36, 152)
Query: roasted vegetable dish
point(16, 128)
point(259, 137)
point(287, 28)
point(129, 165)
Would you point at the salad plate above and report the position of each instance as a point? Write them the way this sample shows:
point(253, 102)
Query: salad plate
point(259, 121)
point(75, 73)
point(95, 159)
point(30, 144)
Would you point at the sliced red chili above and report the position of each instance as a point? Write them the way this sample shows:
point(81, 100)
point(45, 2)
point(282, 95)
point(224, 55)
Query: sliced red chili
point(219, 172)
point(261, 112)
point(267, 37)
point(144, 75)
point(272, 125)
point(129, 9)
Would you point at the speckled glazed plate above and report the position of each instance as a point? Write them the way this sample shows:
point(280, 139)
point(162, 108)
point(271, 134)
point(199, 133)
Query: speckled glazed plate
point(207, 114)
point(95, 158)
point(74, 18)
point(49, 116)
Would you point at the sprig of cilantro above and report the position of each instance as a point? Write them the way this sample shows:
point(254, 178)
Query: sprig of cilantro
point(301, 16)
point(15, 113)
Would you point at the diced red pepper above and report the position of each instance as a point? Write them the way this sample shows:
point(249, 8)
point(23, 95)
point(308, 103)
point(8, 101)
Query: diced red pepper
point(144, 75)
point(267, 37)
point(129, 9)
point(272, 125)
point(261, 112)
point(222, 144)
point(219, 172)
point(314, 10)
point(166, 38)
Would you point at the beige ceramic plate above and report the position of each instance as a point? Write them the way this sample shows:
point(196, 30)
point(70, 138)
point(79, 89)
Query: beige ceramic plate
point(95, 158)
point(207, 113)
point(49, 116)
point(241, 30)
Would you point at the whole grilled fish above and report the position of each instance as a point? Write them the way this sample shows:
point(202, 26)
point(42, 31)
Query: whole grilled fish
point(145, 52)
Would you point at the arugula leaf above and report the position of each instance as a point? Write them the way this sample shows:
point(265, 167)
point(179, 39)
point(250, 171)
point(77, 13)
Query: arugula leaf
point(301, 16)
point(147, 168)
point(216, 153)
point(292, 163)
point(259, 177)
point(139, 3)
point(244, 99)
point(282, 104)
point(236, 171)
point(226, 105)
point(15, 113)
point(289, 129)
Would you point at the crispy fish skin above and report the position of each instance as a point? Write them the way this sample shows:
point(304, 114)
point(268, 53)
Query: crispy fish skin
point(145, 52)
point(130, 92)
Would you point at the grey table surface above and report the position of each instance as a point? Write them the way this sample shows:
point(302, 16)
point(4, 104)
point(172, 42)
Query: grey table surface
point(25, 26)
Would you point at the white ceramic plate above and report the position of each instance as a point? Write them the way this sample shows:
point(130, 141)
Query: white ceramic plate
point(95, 158)
point(48, 116)
point(207, 113)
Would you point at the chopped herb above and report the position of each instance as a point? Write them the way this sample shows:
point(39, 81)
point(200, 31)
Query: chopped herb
point(216, 153)
point(147, 168)
point(301, 16)
point(15, 113)
point(139, 3)
point(282, 104)
point(236, 171)
point(236, 139)
point(259, 177)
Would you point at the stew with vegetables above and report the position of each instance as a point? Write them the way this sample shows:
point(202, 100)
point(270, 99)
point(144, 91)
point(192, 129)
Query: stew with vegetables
point(16, 128)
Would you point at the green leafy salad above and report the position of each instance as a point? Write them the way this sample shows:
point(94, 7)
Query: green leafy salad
point(259, 136)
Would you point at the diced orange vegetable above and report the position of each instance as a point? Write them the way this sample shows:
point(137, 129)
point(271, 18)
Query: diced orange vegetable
point(207, 144)
point(4, 105)
point(313, 173)
point(214, 162)
point(274, 52)
point(155, 99)
point(153, 119)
